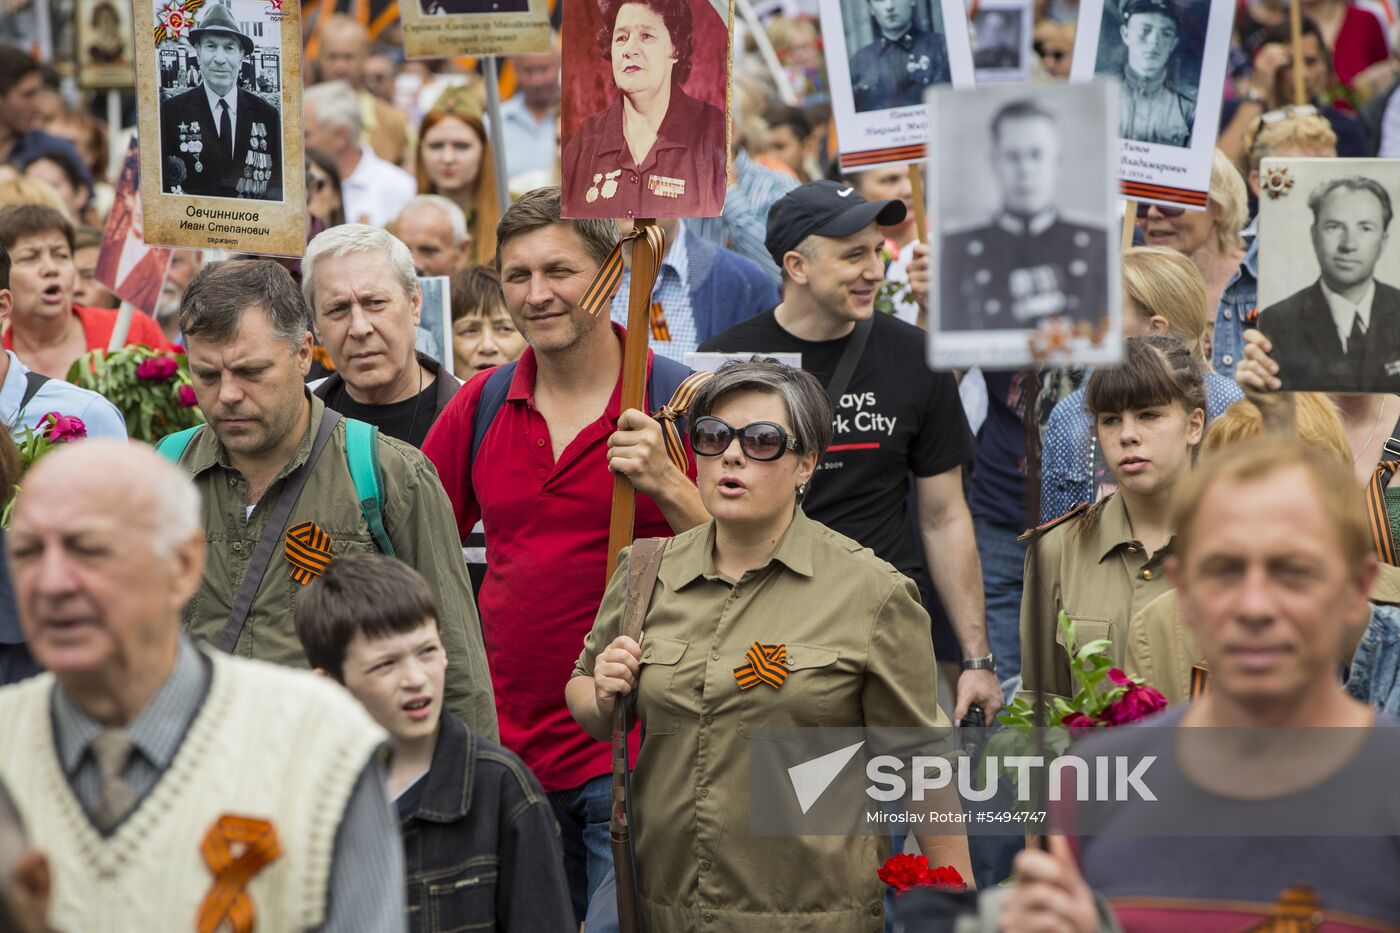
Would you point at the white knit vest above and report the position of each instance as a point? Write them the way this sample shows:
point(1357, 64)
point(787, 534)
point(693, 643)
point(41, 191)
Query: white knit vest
point(269, 743)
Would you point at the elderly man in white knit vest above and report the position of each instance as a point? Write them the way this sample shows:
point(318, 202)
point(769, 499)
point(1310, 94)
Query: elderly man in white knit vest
point(171, 787)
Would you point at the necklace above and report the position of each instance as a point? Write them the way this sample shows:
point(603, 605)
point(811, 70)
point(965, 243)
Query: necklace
point(1372, 436)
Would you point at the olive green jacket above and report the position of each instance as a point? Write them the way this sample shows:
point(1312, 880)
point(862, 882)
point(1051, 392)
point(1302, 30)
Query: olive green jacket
point(417, 516)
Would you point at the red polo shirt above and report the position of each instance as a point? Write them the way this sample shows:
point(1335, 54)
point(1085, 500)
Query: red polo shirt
point(546, 527)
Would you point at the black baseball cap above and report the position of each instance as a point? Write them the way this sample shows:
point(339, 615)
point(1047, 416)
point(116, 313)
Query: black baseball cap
point(824, 208)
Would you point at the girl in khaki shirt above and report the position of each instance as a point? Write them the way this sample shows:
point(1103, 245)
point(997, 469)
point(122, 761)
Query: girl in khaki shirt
point(856, 652)
point(1103, 563)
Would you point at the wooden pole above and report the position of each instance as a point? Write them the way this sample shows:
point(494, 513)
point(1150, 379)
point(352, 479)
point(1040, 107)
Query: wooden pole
point(634, 379)
point(1129, 223)
point(916, 186)
point(1295, 25)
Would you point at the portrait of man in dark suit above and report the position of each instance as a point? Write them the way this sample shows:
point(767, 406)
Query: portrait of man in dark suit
point(1027, 262)
point(1342, 332)
point(217, 139)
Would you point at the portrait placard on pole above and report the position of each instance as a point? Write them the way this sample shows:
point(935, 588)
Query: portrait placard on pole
point(645, 125)
point(130, 269)
point(219, 95)
point(103, 38)
point(880, 59)
point(1001, 40)
point(1171, 56)
point(444, 28)
point(1024, 207)
point(1329, 273)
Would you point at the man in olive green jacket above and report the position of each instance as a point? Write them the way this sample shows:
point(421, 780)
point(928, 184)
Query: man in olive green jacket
point(249, 351)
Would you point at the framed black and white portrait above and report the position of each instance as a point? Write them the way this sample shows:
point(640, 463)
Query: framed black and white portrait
point(1001, 41)
point(1024, 208)
point(1329, 273)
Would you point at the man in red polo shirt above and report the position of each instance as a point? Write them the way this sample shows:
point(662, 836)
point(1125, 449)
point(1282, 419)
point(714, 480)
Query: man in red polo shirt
point(542, 486)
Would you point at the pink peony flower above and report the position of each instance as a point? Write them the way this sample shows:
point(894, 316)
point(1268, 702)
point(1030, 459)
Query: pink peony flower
point(1119, 678)
point(157, 369)
point(1078, 723)
point(62, 428)
point(1138, 703)
point(187, 398)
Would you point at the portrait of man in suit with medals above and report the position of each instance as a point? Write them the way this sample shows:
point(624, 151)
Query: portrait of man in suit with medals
point(221, 138)
point(1342, 331)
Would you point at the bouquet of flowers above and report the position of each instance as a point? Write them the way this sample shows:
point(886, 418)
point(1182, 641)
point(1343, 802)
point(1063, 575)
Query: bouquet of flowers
point(50, 431)
point(151, 388)
point(903, 871)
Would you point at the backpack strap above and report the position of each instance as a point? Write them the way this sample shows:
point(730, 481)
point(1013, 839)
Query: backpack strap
point(33, 382)
point(362, 455)
point(173, 446)
point(493, 396)
point(677, 384)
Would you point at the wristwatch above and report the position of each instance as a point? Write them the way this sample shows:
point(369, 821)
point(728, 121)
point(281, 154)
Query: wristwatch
point(987, 663)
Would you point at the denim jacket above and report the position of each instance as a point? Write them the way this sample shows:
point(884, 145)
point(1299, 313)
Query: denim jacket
point(1374, 678)
point(1236, 310)
point(481, 846)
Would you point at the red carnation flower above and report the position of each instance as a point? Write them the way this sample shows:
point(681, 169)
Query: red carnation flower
point(157, 369)
point(904, 871)
point(187, 397)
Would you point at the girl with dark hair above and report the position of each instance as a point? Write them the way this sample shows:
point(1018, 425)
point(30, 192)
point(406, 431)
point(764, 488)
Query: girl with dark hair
point(1102, 563)
point(657, 151)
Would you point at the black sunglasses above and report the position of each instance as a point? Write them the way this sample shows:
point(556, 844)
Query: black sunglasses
point(762, 440)
point(1165, 211)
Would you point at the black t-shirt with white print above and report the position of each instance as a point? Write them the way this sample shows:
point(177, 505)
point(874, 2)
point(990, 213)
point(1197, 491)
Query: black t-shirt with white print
point(896, 418)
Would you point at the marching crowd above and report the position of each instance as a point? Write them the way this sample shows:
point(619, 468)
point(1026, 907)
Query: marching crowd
point(846, 541)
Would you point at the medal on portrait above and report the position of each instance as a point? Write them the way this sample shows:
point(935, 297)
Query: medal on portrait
point(219, 98)
point(645, 128)
point(1024, 208)
point(445, 28)
point(1329, 273)
point(881, 59)
point(1170, 56)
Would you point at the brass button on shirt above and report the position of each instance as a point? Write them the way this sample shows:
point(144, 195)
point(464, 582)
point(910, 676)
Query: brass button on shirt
point(858, 653)
point(1097, 573)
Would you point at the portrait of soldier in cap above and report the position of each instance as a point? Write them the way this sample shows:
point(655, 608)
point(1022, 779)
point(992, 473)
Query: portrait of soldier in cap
point(1026, 262)
point(1152, 108)
point(904, 58)
point(218, 139)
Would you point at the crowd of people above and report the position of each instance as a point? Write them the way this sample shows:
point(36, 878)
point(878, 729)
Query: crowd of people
point(889, 545)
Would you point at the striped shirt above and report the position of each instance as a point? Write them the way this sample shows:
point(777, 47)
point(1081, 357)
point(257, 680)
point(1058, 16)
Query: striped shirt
point(672, 294)
point(744, 224)
point(366, 889)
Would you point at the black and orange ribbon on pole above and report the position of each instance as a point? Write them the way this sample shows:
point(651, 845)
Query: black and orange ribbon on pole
point(227, 901)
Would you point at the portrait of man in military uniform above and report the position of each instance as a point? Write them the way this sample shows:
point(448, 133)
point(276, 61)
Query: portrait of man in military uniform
point(1153, 108)
point(1026, 262)
point(997, 44)
point(219, 139)
point(902, 60)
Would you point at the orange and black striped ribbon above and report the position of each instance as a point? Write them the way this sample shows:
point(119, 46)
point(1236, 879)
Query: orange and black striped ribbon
point(227, 901)
point(766, 664)
point(308, 551)
point(1200, 681)
point(598, 299)
point(660, 330)
point(676, 408)
point(1377, 514)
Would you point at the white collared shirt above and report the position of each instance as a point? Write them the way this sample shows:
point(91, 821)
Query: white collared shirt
point(1344, 312)
point(231, 98)
point(377, 190)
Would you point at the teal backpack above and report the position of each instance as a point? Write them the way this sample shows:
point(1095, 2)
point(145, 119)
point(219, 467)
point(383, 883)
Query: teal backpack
point(361, 453)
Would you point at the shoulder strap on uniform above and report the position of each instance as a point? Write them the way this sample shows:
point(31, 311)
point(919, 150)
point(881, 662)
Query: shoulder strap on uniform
point(1054, 522)
point(173, 446)
point(33, 382)
point(677, 384)
point(362, 455)
point(493, 396)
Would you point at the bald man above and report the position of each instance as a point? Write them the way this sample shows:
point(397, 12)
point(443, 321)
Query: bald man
point(139, 752)
point(344, 50)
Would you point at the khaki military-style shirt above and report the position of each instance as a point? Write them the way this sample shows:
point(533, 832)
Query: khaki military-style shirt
point(417, 516)
point(858, 654)
point(1098, 573)
point(1163, 653)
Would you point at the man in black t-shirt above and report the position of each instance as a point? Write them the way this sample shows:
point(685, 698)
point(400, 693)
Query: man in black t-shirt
point(363, 293)
point(894, 419)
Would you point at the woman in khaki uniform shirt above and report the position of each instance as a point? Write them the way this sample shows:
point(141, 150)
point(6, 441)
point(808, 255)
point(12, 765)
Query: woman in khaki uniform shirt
point(858, 653)
point(1102, 563)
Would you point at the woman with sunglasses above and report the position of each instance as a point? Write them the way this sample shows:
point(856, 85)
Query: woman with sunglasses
point(1101, 564)
point(761, 619)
